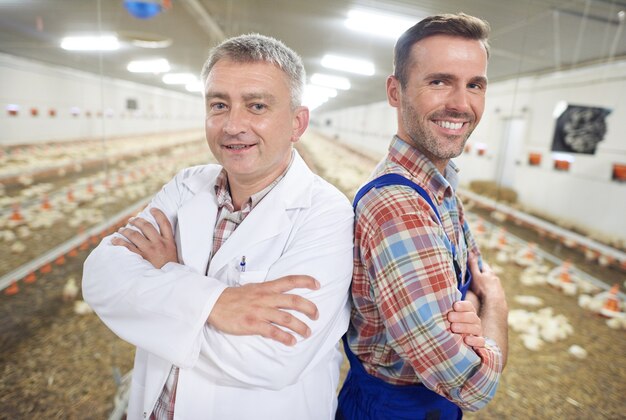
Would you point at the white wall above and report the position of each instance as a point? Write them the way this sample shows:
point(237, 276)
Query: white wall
point(31, 84)
point(585, 196)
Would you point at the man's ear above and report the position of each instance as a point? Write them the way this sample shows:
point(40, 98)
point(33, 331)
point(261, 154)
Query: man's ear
point(300, 123)
point(393, 91)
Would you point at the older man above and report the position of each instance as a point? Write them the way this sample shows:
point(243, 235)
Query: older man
point(217, 337)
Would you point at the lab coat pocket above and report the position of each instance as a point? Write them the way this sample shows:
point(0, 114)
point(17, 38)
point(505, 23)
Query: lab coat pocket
point(254, 276)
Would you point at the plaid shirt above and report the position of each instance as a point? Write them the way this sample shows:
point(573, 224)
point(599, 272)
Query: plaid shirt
point(404, 284)
point(227, 221)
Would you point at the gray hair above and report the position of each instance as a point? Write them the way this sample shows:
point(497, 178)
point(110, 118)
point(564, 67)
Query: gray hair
point(252, 48)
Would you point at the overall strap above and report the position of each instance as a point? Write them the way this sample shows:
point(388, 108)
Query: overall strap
point(365, 397)
point(397, 179)
point(394, 179)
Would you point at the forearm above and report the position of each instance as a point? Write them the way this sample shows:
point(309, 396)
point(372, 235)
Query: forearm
point(493, 315)
point(252, 360)
point(147, 306)
point(257, 362)
point(321, 249)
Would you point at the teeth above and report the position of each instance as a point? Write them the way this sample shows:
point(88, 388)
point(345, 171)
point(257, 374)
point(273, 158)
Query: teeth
point(238, 147)
point(450, 125)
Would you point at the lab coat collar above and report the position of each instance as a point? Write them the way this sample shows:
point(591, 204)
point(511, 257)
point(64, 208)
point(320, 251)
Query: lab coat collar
point(196, 218)
point(296, 183)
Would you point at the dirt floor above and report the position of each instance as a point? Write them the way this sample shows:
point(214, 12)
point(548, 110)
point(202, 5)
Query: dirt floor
point(56, 364)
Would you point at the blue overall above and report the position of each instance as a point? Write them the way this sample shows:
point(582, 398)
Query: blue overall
point(365, 397)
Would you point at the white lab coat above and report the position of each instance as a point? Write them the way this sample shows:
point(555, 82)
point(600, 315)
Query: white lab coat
point(303, 226)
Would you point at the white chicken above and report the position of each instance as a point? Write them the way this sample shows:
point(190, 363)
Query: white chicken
point(537, 328)
point(82, 308)
point(18, 247)
point(617, 322)
point(577, 351)
point(531, 276)
point(70, 290)
point(528, 300)
point(527, 256)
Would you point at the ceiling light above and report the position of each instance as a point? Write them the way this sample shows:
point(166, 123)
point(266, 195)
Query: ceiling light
point(144, 39)
point(352, 65)
point(195, 86)
point(379, 24)
point(335, 82)
point(320, 91)
point(314, 96)
point(159, 65)
point(90, 43)
point(312, 102)
point(178, 78)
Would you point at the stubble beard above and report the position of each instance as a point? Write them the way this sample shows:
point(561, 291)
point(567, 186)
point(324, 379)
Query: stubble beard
point(426, 141)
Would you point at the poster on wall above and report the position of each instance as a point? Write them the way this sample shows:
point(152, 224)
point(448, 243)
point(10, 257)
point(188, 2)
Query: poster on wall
point(579, 129)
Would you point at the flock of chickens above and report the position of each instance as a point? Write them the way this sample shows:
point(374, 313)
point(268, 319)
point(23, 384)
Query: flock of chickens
point(542, 325)
point(51, 193)
point(84, 183)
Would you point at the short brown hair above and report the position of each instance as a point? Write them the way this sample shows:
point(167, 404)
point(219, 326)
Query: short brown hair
point(461, 25)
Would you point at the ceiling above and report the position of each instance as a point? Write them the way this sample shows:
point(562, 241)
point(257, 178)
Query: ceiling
point(528, 36)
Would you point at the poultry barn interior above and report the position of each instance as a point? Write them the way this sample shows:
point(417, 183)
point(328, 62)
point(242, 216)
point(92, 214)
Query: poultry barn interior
point(85, 144)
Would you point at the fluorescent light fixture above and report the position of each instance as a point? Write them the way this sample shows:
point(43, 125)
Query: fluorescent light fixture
point(320, 91)
point(90, 43)
point(351, 65)
point(159, 65)
point(334, 82)
point(379, 24)
point(178, 78)
point(313, 102)
point(196, 86)
point(315, 96)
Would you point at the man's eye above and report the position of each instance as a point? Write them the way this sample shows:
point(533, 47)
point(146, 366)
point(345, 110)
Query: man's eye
point(258, 107)
point(437, 82)
point(218, 106)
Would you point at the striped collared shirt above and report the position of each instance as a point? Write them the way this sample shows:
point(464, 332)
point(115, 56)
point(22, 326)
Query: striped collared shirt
point(227, 221)
point(404, 284)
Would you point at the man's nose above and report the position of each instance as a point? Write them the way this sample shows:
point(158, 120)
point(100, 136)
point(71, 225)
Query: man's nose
point(236, 122)
point(459, 100)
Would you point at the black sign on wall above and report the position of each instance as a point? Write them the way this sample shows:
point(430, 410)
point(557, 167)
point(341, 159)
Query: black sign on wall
point(579, 129)
point(131, 104)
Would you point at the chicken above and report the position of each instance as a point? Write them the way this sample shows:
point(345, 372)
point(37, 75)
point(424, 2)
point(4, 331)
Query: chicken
point(82, 308)
point(577, 351)
point(70, 290)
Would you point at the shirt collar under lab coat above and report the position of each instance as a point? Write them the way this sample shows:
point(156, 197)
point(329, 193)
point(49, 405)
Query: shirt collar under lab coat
point(294, 189)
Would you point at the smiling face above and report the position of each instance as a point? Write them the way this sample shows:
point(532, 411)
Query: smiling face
point(250, 123)
point(444, 96)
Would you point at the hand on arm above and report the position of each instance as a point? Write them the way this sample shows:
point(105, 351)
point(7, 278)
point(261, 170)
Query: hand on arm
point(157, 248)
point(253, 309)
point(259, 308)
point(464, 320)
point(493, 306)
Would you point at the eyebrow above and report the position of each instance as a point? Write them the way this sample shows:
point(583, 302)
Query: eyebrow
point(448, 76)
point(214, 95)
point(266, 96)
point(480, 79)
